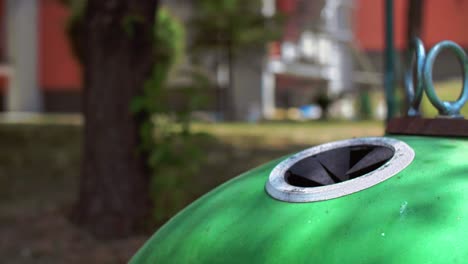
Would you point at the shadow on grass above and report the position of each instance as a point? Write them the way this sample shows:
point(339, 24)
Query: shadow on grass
point(40, 166)
point(220, 161)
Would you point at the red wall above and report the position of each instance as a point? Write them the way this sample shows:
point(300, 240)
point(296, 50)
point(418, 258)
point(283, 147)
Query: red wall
point(446, 19)
point(369, 23)
point(58, 69)
point(3, 78)
point(442, 20)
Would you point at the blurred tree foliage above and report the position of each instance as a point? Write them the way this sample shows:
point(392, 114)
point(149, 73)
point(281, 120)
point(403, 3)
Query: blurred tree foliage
point(165, 135)
point(112, 38)
point(230, 27)
point(365, 104)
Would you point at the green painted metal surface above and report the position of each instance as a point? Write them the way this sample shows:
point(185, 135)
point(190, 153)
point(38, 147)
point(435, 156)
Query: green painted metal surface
point(418, 216)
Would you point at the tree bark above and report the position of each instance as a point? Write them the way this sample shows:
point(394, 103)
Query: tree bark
point(230, 108)
point(115, 41)
point(414, 19)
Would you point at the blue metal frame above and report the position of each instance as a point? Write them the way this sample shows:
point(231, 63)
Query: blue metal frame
point(415, 94)
point(446, 109)
point(424, 81)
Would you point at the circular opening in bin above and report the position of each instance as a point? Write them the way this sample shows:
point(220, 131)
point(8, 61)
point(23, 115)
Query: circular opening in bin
point(337, 165)
point(338, 168)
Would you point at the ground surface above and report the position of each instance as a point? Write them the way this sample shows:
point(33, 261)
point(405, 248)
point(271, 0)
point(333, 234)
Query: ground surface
point(39, 170)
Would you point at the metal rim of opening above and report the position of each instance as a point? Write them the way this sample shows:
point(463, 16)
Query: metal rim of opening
point(280, 189)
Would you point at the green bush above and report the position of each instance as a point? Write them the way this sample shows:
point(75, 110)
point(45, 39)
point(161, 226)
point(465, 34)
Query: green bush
point(165, 134)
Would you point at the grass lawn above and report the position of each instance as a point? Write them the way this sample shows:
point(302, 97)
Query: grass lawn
point(39, 170)
point(447, 91)
point(282, 134)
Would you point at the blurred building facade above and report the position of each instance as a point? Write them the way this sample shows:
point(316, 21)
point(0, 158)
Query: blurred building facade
point(57, 75)
point(50, 73)
point(334, 48)
point(314, 58)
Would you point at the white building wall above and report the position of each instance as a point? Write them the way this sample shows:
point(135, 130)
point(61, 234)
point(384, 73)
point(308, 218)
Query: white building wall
point(23, 93)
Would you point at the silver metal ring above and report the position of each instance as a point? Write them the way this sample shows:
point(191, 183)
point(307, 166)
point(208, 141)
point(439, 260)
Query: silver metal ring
point(280, 189)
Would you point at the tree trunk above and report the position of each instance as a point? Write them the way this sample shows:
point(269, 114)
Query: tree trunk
point(116, 48)
point(230, 111)
point(414, 19)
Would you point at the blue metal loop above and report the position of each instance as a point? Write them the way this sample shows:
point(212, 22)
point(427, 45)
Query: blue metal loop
point(446, 109)
point(417, 56)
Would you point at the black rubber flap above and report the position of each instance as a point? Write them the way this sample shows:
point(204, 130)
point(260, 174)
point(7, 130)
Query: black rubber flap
point(337, 165)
